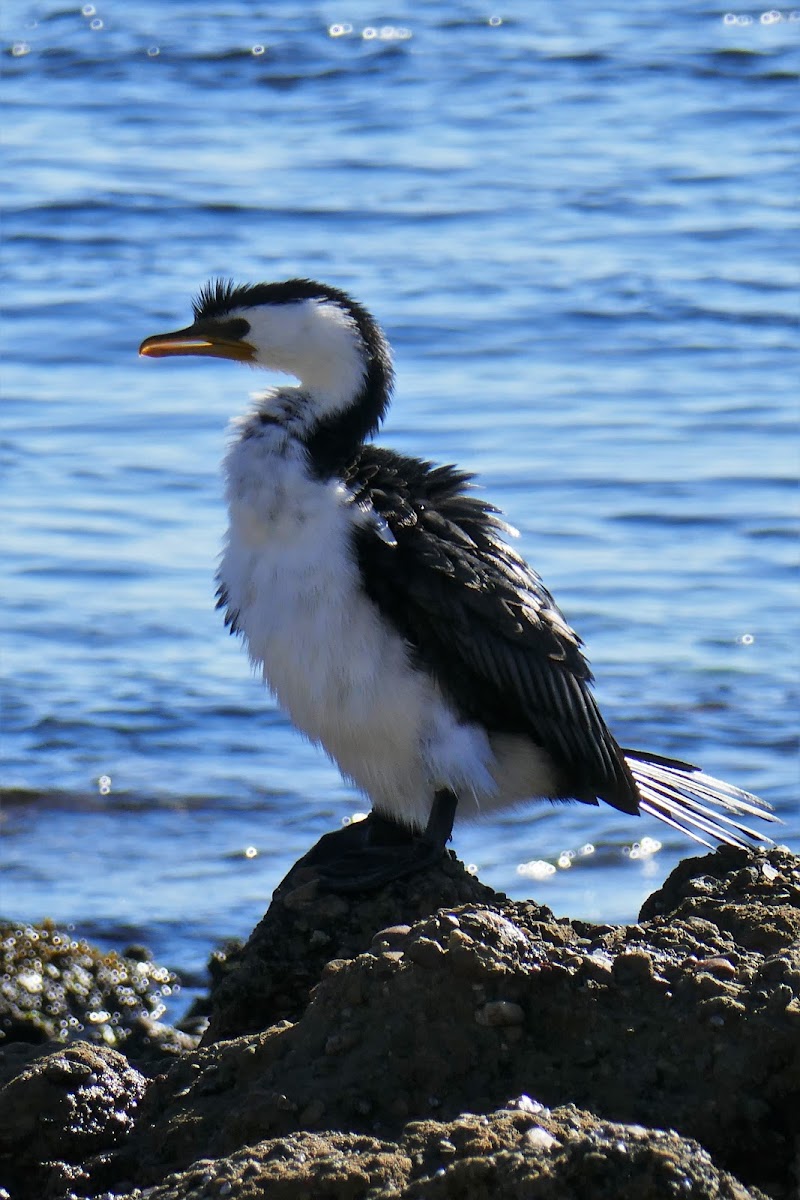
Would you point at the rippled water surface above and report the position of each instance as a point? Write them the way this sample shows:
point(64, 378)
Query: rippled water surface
point(578, 225)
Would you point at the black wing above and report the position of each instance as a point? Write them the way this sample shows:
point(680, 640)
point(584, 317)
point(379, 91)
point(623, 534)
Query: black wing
point(435, 562)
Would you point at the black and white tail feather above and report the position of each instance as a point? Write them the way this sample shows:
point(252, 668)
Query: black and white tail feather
point(694, 803)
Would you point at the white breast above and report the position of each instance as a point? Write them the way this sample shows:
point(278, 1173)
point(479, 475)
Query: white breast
point(343, 676)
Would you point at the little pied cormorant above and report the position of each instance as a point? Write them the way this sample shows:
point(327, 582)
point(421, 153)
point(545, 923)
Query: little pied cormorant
point(389, 615)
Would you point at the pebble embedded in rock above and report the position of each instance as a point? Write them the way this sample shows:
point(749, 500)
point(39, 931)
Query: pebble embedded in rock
point(500, 1012)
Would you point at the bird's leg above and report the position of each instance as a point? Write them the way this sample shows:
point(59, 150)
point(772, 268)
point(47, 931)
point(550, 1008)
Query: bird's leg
point(370, 853)
point(439, 829)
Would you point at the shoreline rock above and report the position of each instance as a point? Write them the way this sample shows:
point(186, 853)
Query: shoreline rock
point(373, 1046)
point(55, 987)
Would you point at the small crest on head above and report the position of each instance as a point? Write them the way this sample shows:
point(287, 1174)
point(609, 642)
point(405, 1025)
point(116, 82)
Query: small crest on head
point(219, 297)
point(215, 299)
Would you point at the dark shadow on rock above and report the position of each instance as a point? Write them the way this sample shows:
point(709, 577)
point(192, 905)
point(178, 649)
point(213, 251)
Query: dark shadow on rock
point(269, 978)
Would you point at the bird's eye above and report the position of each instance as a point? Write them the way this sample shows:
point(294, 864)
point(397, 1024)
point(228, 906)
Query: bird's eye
point(237, 328)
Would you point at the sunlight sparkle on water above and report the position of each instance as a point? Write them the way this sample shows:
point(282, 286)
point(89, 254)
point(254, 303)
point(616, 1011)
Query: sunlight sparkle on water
point(386, 33)
point(644, 849)
point(354, 818)
point(539, 868)
point(371, 33)
point(772, 16)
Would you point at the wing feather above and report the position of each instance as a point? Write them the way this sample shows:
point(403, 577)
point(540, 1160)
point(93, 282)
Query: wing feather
point(469, 606)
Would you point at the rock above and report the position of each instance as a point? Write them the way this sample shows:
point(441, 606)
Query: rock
point(60, 1111)
point(55, 987)
point(563, 1154)
point(269, 979)
point(370, 1047)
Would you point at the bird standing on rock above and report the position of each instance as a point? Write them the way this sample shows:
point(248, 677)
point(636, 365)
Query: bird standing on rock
point(388, 613)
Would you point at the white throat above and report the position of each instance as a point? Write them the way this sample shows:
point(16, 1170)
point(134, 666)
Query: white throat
point(317, 342)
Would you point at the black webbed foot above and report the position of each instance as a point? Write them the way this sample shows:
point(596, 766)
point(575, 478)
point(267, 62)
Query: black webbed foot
point(372, 868)
point(370, 853)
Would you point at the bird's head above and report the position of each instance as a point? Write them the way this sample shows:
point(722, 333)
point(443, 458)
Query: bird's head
point(312, 331)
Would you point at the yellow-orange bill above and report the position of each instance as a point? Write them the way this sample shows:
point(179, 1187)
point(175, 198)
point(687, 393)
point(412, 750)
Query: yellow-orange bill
point(195, 341)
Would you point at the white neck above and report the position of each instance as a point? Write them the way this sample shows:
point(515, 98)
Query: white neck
point(317, 342)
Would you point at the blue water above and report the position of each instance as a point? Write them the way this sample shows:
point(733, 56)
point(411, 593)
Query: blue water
point(578, 225)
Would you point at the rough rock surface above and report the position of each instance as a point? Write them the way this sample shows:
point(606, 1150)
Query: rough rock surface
point(371, 1046)
point(269, 979)
point(525, 1153)
point(60, 1111)
point(55, 987)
